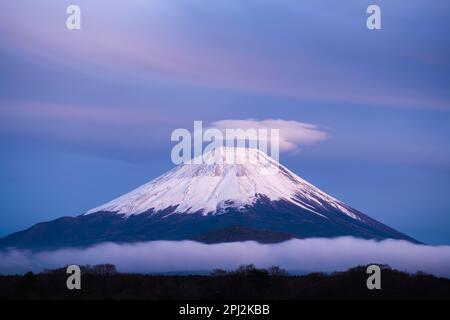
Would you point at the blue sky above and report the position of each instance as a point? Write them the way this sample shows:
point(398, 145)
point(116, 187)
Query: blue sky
point(87, 115)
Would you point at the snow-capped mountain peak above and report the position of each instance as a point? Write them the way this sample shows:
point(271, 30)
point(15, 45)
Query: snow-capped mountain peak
point(214, 201)
point(225, 177)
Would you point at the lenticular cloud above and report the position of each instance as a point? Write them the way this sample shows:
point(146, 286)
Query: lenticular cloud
point(309, 255)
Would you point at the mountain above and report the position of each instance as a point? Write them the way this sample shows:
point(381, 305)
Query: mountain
point(230, 194)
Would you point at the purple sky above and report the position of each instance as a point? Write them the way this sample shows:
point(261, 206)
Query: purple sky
point(87, 115)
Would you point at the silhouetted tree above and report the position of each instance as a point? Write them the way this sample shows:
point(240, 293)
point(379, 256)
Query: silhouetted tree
point(104, 269)
point(219, 273)
point(277, 271)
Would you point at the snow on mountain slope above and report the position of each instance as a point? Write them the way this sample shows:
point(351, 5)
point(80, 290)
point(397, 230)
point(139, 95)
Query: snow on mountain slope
point(217, 183)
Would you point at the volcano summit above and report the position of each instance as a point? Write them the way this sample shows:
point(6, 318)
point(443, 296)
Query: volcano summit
point(252, 198)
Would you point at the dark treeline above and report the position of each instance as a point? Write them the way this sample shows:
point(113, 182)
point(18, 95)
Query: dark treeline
point(246, 282)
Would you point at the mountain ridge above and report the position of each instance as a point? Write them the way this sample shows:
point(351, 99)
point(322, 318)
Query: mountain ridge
point(211, 202)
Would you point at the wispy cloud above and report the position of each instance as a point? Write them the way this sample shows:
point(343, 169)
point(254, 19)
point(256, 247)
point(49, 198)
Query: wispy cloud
point(93, 127)
point(286, 63)
point(33, 110)
point(293, 134)
point(324, 255)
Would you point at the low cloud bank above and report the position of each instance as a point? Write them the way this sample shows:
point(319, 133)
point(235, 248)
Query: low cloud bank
point(307, 255)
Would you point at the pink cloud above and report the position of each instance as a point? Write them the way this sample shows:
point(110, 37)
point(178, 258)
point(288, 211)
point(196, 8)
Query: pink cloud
point(110, 46)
